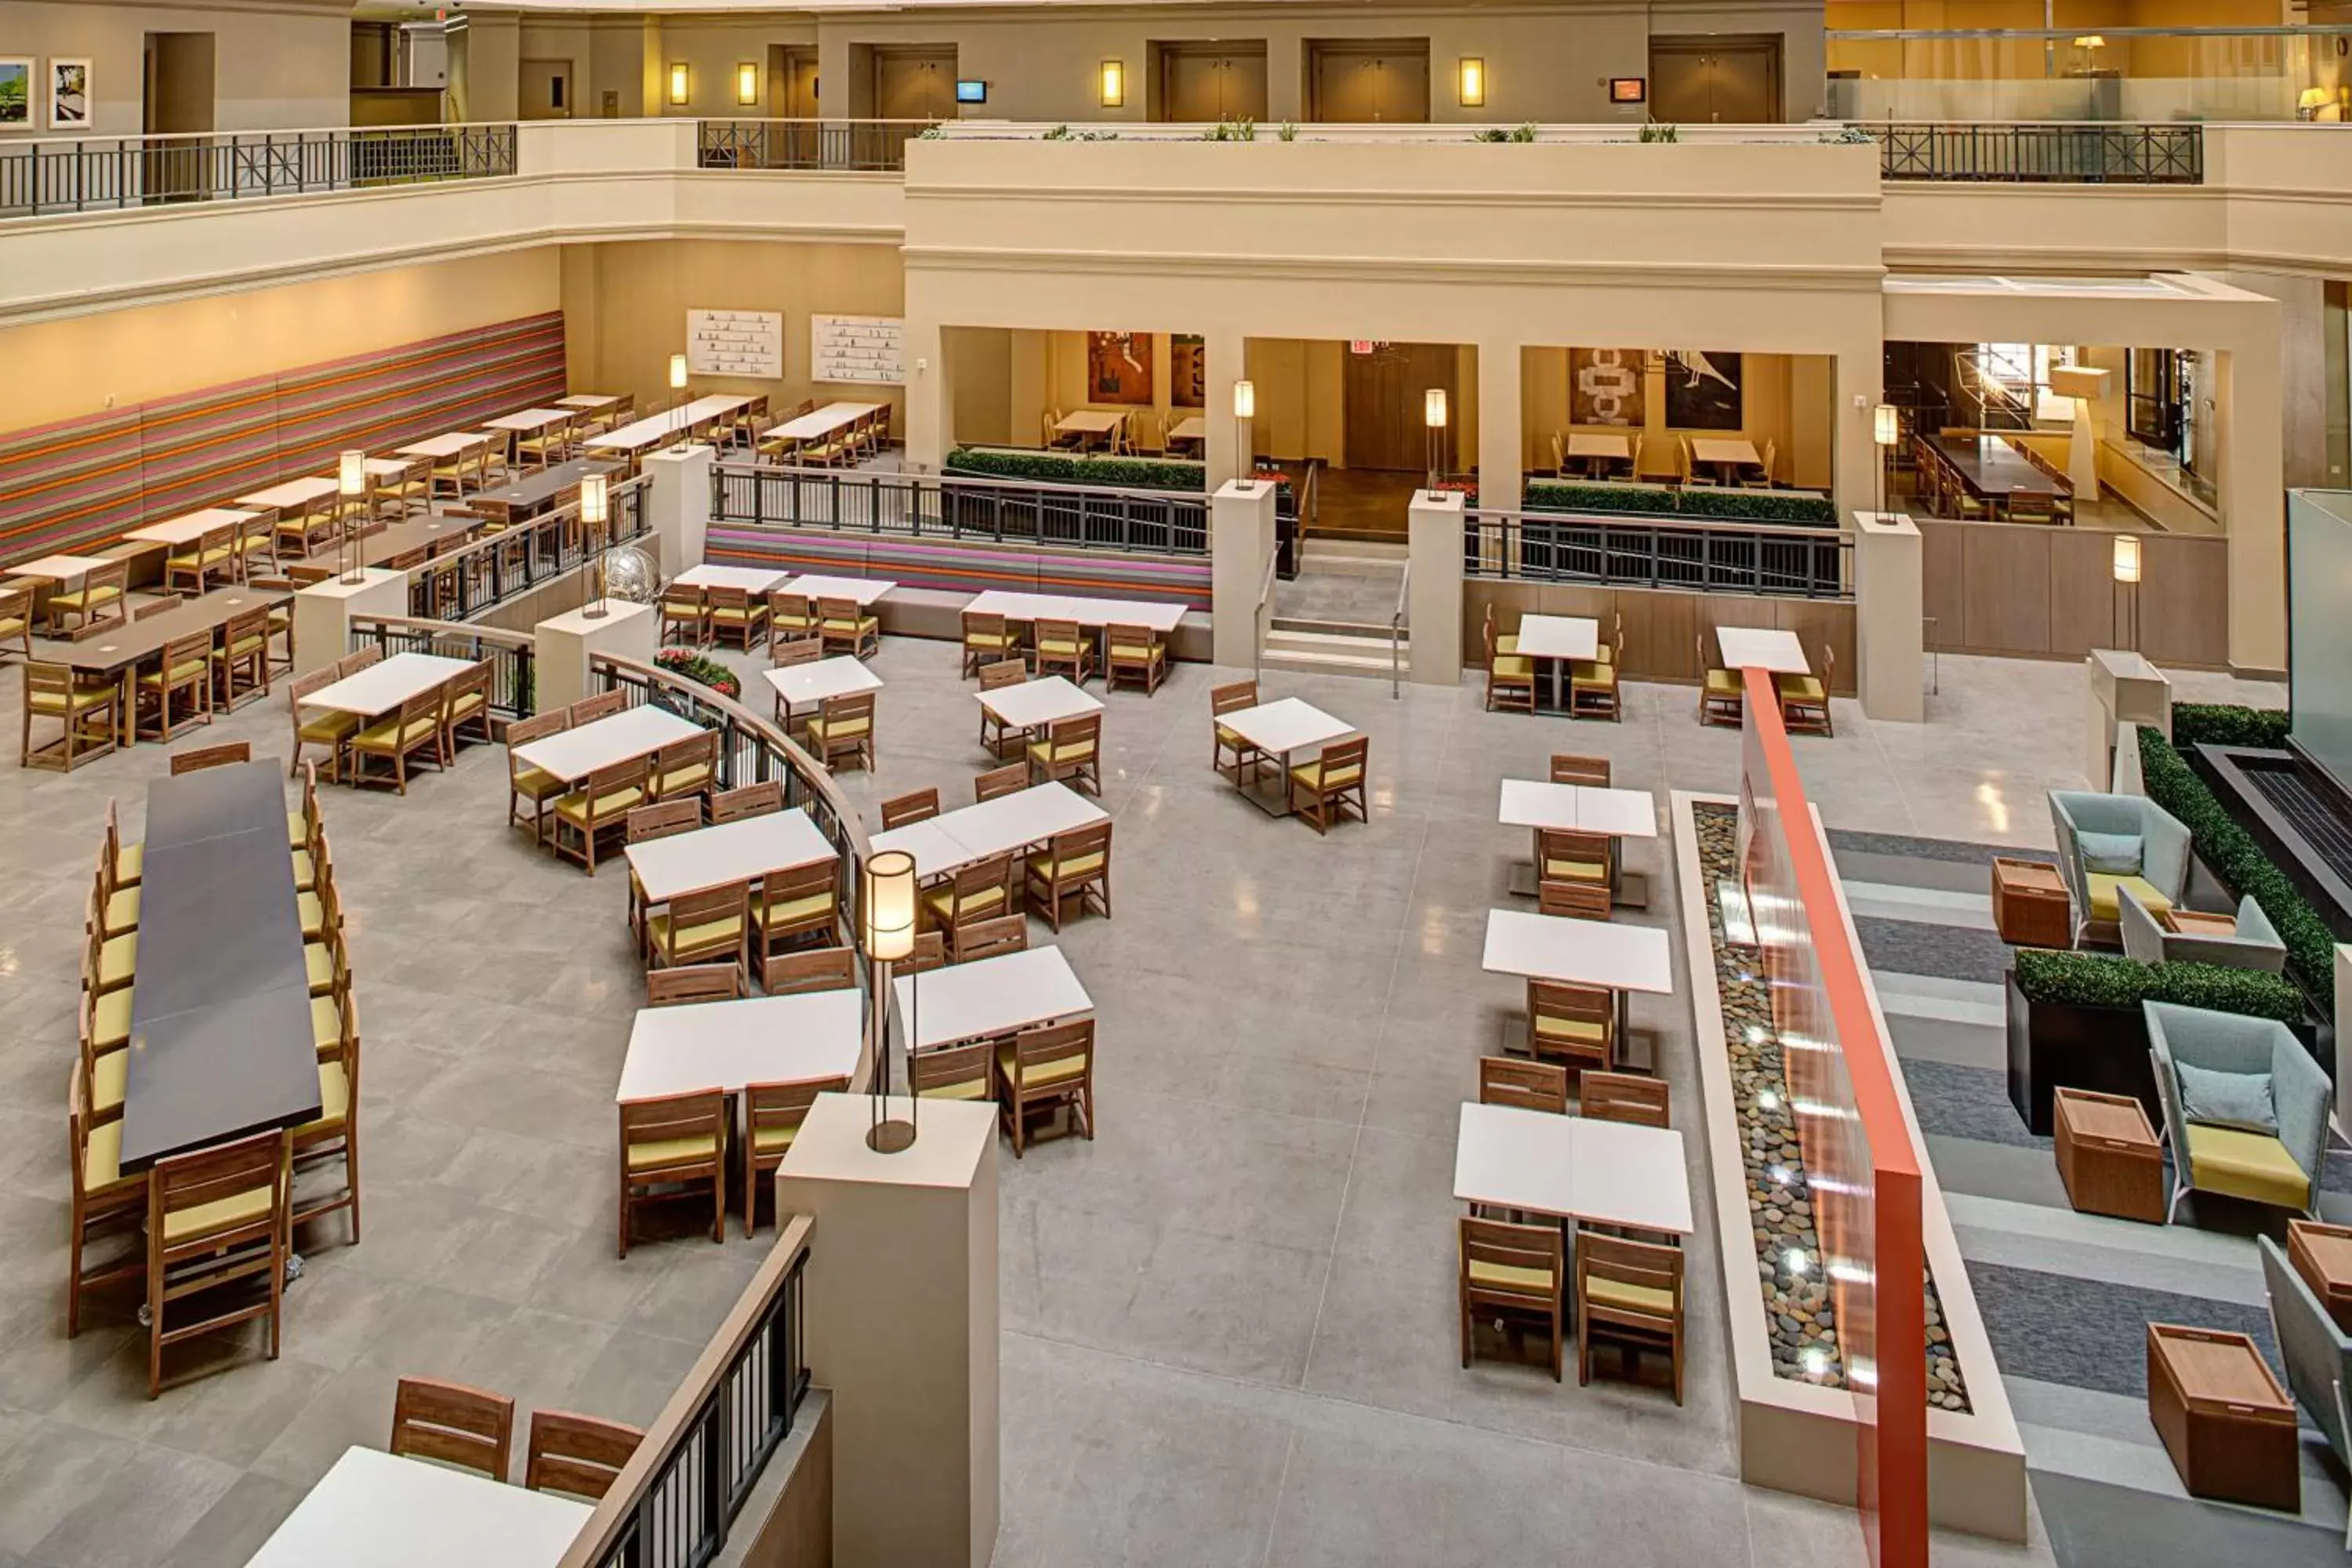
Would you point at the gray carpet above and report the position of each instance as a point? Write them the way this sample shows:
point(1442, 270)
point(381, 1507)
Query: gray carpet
point(2103, 1526)
point(1966, 1102)
point(1901, 847)
point(2092, 1333)
point(1920, 947)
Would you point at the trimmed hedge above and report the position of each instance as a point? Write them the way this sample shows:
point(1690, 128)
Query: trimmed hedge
point(1071, 468)
point(2240, 862)
point(1568, 495)
point(2227, 724)
point(1698, 501)
point(2103, 979)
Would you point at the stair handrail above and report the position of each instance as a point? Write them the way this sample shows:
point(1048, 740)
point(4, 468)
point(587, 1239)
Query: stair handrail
point(1258, 618)
point(1396, 631)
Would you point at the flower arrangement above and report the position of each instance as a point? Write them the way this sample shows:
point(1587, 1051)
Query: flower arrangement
point(702, 669)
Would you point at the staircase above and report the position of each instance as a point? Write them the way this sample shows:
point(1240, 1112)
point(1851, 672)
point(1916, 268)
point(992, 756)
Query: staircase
point(1331, 648)
point(1333, 619)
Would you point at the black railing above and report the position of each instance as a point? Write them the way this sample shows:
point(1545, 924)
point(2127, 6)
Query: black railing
point(470, 581)
point(86, 174)
point(514, 679)
point(962, 506)
point(1689, 557)
point(873, 145)
point(2045, 153)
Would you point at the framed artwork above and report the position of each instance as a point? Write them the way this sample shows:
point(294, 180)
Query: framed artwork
point(1605, 386)
point(69, 95)
point(1702, 390)
point(16, 91)
point(1118, 368)
point(1188, 371)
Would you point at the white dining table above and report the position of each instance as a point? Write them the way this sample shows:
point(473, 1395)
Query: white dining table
point(1573, 1168)
point(58, 568)
point(304, 491)
point(1558, 637)
point(1612, 955)
point(865, 589)
point(387, 683)
point(935, 850)
point(1192, 427)
point(736, 851)
point(811, 1034)
point(1608, 449)
point(442, 447)
point(374, 1510)
point(617, 738)
point(190, 527)
point(989, 996)
point(530, 421)
point(1015, 605)
point(952, 840)
point(819, 423)
point(840, 676)
point(754, 580)
point(1089, 423)
point(1035, 703)
point(1761, 648)
point(656, 428)
point(1279, 729)
point(590, 401)
point(1580, 808)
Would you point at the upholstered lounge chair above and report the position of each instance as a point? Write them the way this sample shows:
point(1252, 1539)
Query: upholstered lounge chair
point(2280, 1167)
point(2254, 945)
point(2106, 842)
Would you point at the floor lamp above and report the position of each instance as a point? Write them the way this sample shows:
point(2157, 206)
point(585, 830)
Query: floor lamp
point(2125, 613)
point(596, 506)
point(350, 491)
point(885, 930)
point(677, 388)
point(1886, 430)
point(1433, 419)
point(2085, 387)
point(1244, 410)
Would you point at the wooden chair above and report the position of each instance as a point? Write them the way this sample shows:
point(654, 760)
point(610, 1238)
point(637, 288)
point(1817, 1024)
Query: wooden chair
point(1805, 699)
point(953, 1072)
point(549, 445)
point(1624, 1097)
point(460, 471)
point(791, 616)
point(1510, 677)
point(414, 728)
point(919, 805)
point(1565, 855)
point(468, 693)
point(843, 727)
point(91, 714)
point(930, 953)
point(1574, 1025)
point(997, 738)
point(794, 905)
point(1629, 1294)
point(577, 1454)
point(105, 1201)
point(328, 727)
point(1043, 1069)
point(1764, 469)
point(1529, 1086)
point(1322, 791)
point(1223, 699)
point(357, 659)
point(1135, 653)
point(1515, 1275)
point(603, 705)
point(1064, 648)
point(215, 1217)
point(1572, 901)
point(240, 662)
point(103, 596)
point(257, 540)
point(670, 1145)
point(747, 800)
point(452, 1423)
point(211, 553)
point(1072, 750)
point(1722, 699)
point(987, 640)
point(784, 652)
point(710, 926)
point(686, 770)
point(16, 618)
point(662, 819)
point(1569, 769)
point(980, 891)
point(333, 1135)
point(601, 807)
point(525, 782)
point(685, 612)
point(843, 627)
point(1009, 779)
point(990, 939)
point(183, 674)
point(1496, 640)
point(733, 614)
point(1075, 864)
point(818, 968)
point(695, 983)
point(411, 489)
point(1592, 683)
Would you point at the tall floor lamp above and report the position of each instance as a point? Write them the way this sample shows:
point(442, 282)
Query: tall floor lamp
point(350, 491)
point(1244, 410)
point(1886, 430)
point(596, 506)
point(676, 389)
point(1433, 419)
point(2124, 611)
point(2086, 385)
point(885, 929)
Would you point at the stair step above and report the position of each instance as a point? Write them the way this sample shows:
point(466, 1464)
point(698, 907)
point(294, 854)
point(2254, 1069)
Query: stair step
point(1304, 626)
point(1328, 663)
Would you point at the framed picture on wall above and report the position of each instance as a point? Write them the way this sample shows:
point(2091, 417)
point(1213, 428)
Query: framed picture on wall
point(69, 95)
point(1605, 386)
point(1702, 390)
point(1188, 372)
point(1118, 368)
point(16, 91)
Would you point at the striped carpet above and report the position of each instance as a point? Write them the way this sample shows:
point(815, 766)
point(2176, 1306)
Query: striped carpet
point(2065, 1296)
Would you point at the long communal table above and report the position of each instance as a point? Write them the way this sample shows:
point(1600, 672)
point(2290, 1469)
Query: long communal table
point(220, 1010)
point(115, 651)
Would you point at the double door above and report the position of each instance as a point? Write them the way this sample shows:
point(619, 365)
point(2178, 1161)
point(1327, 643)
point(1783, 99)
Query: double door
point(1715, 80)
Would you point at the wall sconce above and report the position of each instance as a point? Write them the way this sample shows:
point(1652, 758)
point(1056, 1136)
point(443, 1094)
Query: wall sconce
point(1473, 82)
point(1114, 84)
point(747, 83)
point(681, 84)
point(886, 931)
point(1432, 417)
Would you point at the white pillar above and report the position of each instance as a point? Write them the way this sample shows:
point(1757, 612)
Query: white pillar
point(323, 614)
point(930, 432)
point(1502, 445)
point(680, 497)
point(1241, 543)
point(2248, 413)
point(1889, 633)
point(1433, 550)
point(1223, 452)
point(562, 647)
point(900, 1304)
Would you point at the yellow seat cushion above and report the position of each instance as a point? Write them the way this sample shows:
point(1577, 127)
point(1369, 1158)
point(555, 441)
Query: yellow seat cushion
point(2242, 1164)
point(1050, 755)
point(1510, 667)
point(575, 807)
point(329, 729)
point(314, 914)
point(388, 733)
point(695, 938)
point(298, 831)
point(101, 1157)
point(1591, 677)
point(326, 1021)
point(654, 1153)
point(1575, 871)
point(1506, 1277)
point(111, 1021)
point(1038, 1074)
point(839, 729)
point(318, 966)
point(106, 1079)
point(943, 903)
point(122, 913)
point(536, 783)
point(306, 875)
point(118, 960)
point(129, 859)
point(1587, 1029)
point(465, 707)
point(1231, 738)
point(1060, 649)
point(1311, 776)
point(334, 1095)
point(11, 625)
point(186, 670)
point(2103, 895)
point(83, 699)
point(1723, 683)
point(734, 616)
point(690, 778)
point(989, 639)
point(970, 1089)
point(792, 913)
point(1076, 866)
point(240, 648)
point(1804, 688)
point(221, 1213)
point(1652, 1299)
point(773, 1139)
point(82, 598)
point(860, 626)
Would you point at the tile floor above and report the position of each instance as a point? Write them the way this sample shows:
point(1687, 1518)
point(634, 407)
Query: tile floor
point(1229, 1331)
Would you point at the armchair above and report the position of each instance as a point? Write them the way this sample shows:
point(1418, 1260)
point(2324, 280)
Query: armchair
point(2318, 1355)
point(2281, 1167)
point(2254, 945)
point(2107, 842)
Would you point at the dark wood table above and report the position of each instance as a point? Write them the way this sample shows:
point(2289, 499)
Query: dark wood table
point(1995, 472)
point(527, 497)
point(2108, 1158)
point(2322, 1254)
point(2228, 1425)
point(422, 535)
point(116, 651)
point(221, 1042)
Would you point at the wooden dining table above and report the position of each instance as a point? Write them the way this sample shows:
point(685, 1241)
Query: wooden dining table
point(1092, 426)
point(117, 650)
point(1995, 471)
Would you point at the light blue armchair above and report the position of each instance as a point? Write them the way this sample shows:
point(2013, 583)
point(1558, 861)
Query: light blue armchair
point(2109, 842)
point(2254, 945)
point(2317, 1353)
point(2280, 1168)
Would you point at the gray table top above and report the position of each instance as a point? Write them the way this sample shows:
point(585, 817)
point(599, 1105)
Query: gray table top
point(116, 648)
point(1992, 466)
point(535, 489)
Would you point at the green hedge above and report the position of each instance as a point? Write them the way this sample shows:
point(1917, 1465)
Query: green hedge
point(1793, 507)
point(2227, 724)
point(2240, 862)
point(1071, 468)
point(2103, 979)
point(1568, 495)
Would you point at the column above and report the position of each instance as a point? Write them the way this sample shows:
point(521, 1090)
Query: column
point(1433, 551)
point(901, 1326)
point(562, 647)
point(1889, 630)
point(323, 614)
point(929, 419)
point(1856, 455)
point(1502, 442)
point(2248, 417)
point(1241, 543)
point(1227, 364)
point(679, 495)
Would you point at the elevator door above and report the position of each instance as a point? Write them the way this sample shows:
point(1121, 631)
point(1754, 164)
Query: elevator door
point(914, 84)
point(1370, 81)
point(1714, 80)
point(1385, 392)
point(1205, 83)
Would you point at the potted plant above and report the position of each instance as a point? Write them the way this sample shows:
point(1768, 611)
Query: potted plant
point(702, 669)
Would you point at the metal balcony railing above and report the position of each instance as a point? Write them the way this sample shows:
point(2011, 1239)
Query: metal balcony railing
point(2043, 154)
point(1631, 553)
point(853, 145)
point(105, 172)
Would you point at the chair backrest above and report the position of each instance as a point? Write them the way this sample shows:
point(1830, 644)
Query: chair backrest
point(359, 658)
point(1570, 1003)
point(1580, 855)
point(578, 1454)
point(1053, 631)
point(474, 682)
point(1076, 844)
point(790, 885)
point(1505, 1246)
point(1529, 1086)
point(609, 781)
point(696, 750)
point(1049, 1045)
point(791, 609)
point(1572, 901)
point(983, 624)
point(785, 652)
point(182, 1186)
point(116, 576)
point(16, 604)
point(1573, 769)
point(729, 901)
point(2317, 1353)
point(748, 800)
point(178, 653)
point(1624, 1097)
point(832, 609)
point(223, 755)
point(246, 625)
point(697, 1113)
point(719, 597)
point(538, 727)
point(1229, 698)
point(1130, 642)
point(980, 876)
point(469, 1428)
point(663, 819)
point(1343, 762)
point(943, 1071)
point(683, 598)
point(1082, 734)
point(847, 708)
point(822, 969)
point(602, 706)
point(2143, 938)
point(1011, 779)
point(1003, 672)
point(991, 939)
point(693, 982)
point(1645, 1264)
point(916, 807)
point(162, 605)
point(774, 1106)
point(930, 953)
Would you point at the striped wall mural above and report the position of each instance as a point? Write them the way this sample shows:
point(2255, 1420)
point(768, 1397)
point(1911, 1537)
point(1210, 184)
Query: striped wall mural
point(80, 482)
point(963, 566)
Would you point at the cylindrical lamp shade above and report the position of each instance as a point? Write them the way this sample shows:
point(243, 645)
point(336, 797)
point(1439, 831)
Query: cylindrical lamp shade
point(2078, 381)
point(886, 905)
point(677, 373)
point(350, 474)
point(1245, 400)
point(1886, 425)
point(595, 498)
point(1432, 408)
point(2127, 558)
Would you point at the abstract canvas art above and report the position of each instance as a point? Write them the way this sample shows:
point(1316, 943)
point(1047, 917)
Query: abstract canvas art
point(1118, 368)
point(69, 95)
point(1187, 372)
point(1604, 387)
point(1702, 390)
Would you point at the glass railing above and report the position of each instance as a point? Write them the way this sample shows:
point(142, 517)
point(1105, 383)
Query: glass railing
point(2146, 74)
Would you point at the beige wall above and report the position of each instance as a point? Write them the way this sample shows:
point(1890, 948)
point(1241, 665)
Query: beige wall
point(624, 307)
point(278, 63)
point(89, 364)
point(485, 69)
